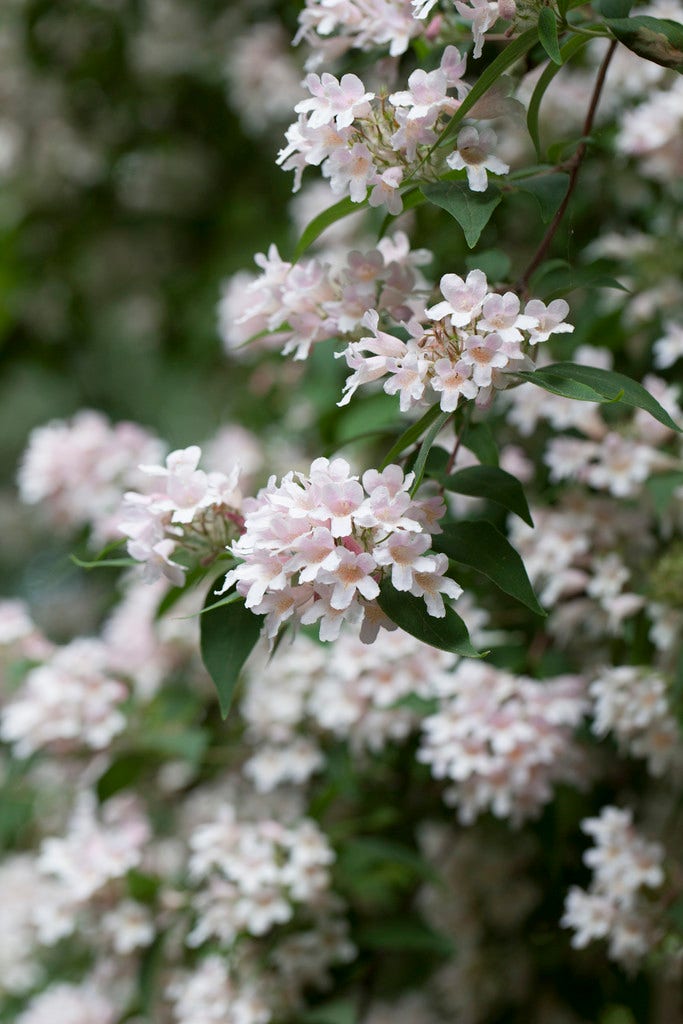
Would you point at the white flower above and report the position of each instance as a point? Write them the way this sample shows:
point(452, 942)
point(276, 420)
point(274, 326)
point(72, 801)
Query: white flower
point(474, 155)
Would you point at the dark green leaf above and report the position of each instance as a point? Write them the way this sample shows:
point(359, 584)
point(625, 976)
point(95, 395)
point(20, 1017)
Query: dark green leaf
point(494, 262)
point(402, 934)
point(505, 59)
point(614, 8)
point(329, 216)
point(175, 593)
point(568, 50)
point(558, 277)
point(228, 636)
point(484, 548)
point(104, 563)
point(662, 488)
point(341, 1011)
point(472, 210)
point(547, 189)
point(188, 744)
point(547, 34)
point(123, 772)
point(430, 437)
point(410, 436)
point(492, 484)
point(478, 438)
point(142, 887)
point(657, 39)
point(411, 198)
point(590, 384)
point(410, 613)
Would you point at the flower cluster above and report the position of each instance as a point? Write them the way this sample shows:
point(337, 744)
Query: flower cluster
point(631, 702)
point(353, 693)
point(321, 297)
point(76, 470)
point(316, 548)
point(70, 701)
point(481, 13)
point(254, 874)
point(475, 339)
point(331, 29)
point(194, 512)
point(503, 740)
point(585, 561)
point(369, 145)
point(614, 906)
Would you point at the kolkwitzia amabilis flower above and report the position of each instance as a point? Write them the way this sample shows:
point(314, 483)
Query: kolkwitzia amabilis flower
point(503, 740)
point(331, 29)
point(323, 297)
point(365, 142)
point(631, 702)
point(70, 701)
point(615, 907)
point(473, 155)
point(77, 469)
point(316, 547)
point(194, 511)
point(464, 346)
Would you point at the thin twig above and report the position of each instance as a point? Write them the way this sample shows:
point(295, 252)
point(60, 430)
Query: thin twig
point(575, 166)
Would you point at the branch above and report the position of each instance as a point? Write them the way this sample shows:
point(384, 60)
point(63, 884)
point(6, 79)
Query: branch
point(575, 165)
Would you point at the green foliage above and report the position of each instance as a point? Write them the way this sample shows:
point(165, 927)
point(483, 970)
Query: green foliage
point(410, 613)
point(547, 34)
point(490, 483)
point(590, 384)
point(418, 467)
point(472, 210)
point(324, 220)
point(571, 47)
point(228, 635)
point(547, 189)
point(657, 39)
point(480, 546)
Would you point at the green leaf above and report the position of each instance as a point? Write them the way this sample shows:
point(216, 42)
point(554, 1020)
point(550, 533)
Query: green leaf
point(495, 263)
point(547, 189)
point(478, 438)
point(590, 384)
point(142, 887)
point(103, 563)
point(662, 488)
point(614, 8)
point(125, 771)
point(430, 437)
point(557, 277)
point(173, 595)
point(410, 613)
point(404, 935)
point(411, 198)
point(228, 634)
point(329, 216)
point(505, 59)
point(341, 1011)
point(481, 546)
point(547, 34)
point(657, 39)
point(472, 210)
point(568, 50)
point(410, 436)
point(492, 484)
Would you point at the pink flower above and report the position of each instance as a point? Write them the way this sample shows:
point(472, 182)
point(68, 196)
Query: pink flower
point(474, 156)
point(452, 380)
point(463, 299)
point(333, 99)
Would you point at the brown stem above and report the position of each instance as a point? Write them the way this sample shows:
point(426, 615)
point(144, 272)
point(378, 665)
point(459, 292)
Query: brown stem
point(574, 165)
